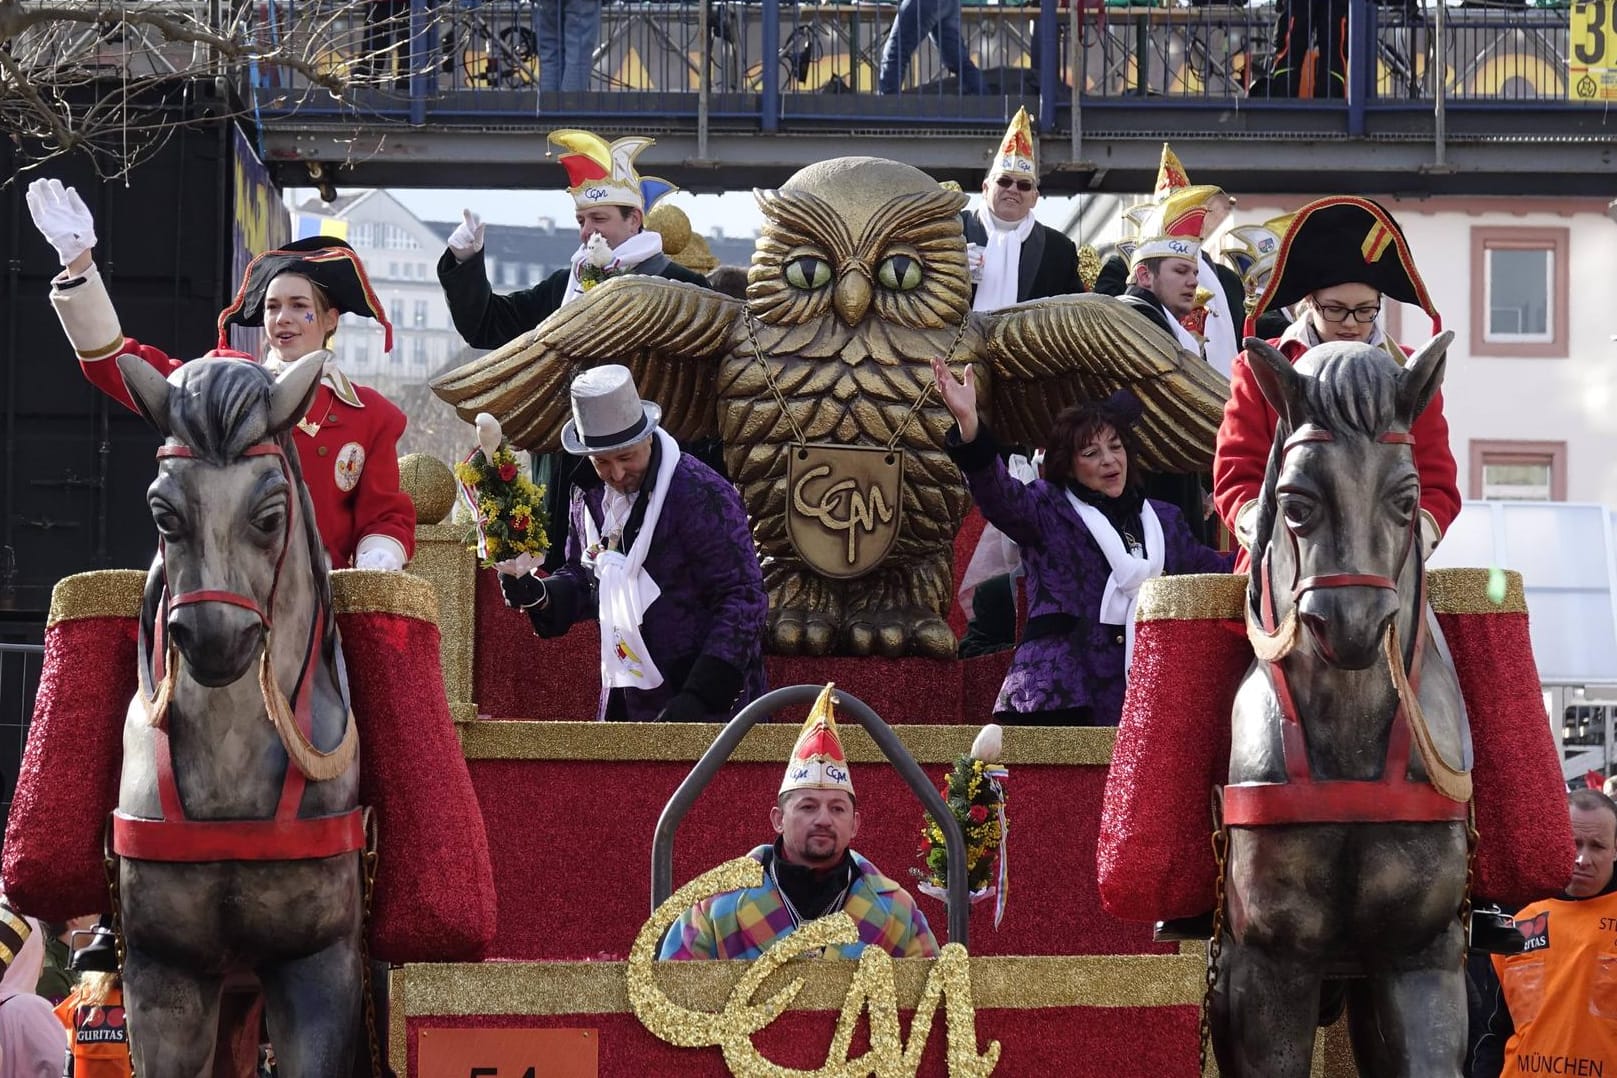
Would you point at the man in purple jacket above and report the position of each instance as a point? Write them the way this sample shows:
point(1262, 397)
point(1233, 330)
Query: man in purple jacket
point(662, 557)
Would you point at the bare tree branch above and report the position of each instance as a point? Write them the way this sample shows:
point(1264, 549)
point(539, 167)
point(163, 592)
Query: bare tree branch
point(116, 79)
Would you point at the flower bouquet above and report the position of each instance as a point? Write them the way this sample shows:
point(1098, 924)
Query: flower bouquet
point(975, 792)
point(504, 503)
point(599, 264)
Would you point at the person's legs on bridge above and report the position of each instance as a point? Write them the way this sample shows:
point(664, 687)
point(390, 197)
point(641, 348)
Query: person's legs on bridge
point(580, 34)
point(954, 50)
point(914, 21)
point(547, 18)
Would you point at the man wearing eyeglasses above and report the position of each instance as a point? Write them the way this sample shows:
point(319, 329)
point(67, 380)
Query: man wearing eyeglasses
point(1339, 261)
point(1012, 257)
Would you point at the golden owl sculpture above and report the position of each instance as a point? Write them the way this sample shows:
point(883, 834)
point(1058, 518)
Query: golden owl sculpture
point(819, 385)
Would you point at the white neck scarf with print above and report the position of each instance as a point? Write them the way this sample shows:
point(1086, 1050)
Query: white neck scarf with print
point(626, 590)
point(626, 256)
point(1129, 571)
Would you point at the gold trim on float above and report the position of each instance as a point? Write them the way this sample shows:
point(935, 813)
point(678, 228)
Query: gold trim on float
point(1219, 596)
point(376, 591)
point(105, 593)
point(1192, 597)
point(1465, 591)
point(1020, 982)
point(771, 742)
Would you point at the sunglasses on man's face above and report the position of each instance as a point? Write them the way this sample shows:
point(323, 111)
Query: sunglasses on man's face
point(1020, 185)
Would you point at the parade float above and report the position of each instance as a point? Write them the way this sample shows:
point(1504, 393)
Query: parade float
point(524, 876)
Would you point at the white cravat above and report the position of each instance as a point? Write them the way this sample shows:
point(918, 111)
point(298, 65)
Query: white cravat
point(1129, 571)
point(627, 255)
point(1002, 260)
point(625, 589)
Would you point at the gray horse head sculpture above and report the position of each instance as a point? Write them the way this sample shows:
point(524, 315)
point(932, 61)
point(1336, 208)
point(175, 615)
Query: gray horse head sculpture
point(237, 829)
point(1345, 810)
point(1351, 403)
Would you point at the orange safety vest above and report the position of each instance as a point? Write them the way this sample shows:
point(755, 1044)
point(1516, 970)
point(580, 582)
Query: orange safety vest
point(97, 1035)
point(1562, 990)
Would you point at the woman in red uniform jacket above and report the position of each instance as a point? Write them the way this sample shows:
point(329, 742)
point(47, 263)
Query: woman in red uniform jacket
point(347, 442)
point(1337, 261)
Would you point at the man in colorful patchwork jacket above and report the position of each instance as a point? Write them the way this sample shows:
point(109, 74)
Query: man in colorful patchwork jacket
point(809, 871)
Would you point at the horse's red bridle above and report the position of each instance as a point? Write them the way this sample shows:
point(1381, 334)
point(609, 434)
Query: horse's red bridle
point(284, 837)
point(1300, 586)
point(246, 602)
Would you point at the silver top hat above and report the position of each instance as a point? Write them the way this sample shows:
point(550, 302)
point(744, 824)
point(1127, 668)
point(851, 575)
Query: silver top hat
point(608, 413)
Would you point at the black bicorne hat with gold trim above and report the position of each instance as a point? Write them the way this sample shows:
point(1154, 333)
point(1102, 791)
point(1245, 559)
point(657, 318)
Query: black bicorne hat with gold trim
point(1344, 239)
point(328, 262)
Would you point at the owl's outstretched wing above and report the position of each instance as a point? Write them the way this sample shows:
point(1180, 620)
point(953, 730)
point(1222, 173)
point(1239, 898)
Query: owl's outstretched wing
point(1056, 352)
point(671, 335)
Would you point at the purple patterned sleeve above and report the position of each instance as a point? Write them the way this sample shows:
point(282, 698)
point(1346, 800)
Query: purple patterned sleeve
point(724, 570)
point(1183, 553)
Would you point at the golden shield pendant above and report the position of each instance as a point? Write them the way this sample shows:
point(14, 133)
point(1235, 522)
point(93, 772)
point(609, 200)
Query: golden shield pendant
point(843, 506)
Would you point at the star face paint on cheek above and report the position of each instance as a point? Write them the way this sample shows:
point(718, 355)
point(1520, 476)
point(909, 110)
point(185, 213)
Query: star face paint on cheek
point(308, 316)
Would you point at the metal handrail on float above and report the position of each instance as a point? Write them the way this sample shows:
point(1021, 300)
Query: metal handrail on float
point(848, 706)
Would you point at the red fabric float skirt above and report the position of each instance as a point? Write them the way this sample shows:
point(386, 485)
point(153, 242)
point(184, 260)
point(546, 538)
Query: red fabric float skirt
point(434, 895)
point(1154, 856)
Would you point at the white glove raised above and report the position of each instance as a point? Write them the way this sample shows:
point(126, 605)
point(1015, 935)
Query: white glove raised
point(62, 218)
point(467, 239)
point(976, 258)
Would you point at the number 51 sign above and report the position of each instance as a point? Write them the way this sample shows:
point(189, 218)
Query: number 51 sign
point(1592, 51)
point(509, 1053)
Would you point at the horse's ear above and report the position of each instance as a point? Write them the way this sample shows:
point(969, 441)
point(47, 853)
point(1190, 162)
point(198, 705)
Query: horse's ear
point(148, 389)
point(1280, 382)
point(295, 388)
point(1423, 374)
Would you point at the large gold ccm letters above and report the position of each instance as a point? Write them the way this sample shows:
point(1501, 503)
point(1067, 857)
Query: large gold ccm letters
point(843, 506)
point(872, 991)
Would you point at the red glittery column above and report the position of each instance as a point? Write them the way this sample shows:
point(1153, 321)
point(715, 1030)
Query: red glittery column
point(1173, 746)
point(434, 898)
point(68, 784)
point(1525, 848)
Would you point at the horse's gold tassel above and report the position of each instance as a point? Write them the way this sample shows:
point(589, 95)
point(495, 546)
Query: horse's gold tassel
point(316, 766)
point(157, 706)
point(1272, 647)
point(1446, 779)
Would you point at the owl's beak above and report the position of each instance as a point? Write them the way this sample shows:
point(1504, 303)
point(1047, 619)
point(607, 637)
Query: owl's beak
point(852, 296)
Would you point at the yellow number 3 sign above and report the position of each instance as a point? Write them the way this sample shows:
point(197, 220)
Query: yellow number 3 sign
point(1592, 55)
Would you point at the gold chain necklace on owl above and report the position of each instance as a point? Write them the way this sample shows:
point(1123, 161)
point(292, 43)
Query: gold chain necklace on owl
point(843, 501)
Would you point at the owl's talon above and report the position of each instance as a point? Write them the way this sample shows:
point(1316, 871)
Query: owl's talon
point(892, 640)
point(933, 639)
point(787, 632)
point(859, 637)
point(820, 635)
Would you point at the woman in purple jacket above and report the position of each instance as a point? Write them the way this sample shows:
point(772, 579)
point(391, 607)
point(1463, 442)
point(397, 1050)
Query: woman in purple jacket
point(1089, 540)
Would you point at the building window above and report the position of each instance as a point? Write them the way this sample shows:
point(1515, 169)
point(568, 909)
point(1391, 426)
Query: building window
point(395, 311)
point(362, 235)
point(418, 351)
point(1519, 279)
point(420, 314)
point(1518, 471)
point(398, 238)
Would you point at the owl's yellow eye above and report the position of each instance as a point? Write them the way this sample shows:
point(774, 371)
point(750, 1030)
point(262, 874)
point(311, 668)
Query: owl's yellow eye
point(900, 273)
point(808, 273)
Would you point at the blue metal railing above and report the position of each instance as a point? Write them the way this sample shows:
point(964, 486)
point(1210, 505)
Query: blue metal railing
point(770, 65)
